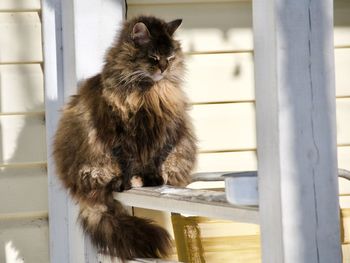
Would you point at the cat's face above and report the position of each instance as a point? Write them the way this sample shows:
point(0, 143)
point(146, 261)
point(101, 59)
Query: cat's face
point(146, 53)
point(155, 54)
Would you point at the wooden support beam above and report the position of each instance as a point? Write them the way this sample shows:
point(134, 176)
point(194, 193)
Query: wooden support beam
point(295, 106)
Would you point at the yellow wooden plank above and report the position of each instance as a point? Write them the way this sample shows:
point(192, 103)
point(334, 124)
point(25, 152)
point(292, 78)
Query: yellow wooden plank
point(19, 5)
point(22, 88)
point(22, 139)
point(17, 184)
point(20, 39)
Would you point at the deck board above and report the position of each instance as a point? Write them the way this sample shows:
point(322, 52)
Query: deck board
point(187, 201)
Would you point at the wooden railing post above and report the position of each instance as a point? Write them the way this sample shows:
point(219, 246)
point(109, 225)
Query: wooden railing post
point(296, 126)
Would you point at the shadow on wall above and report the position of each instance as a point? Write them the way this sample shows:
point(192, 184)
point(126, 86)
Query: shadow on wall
point(23, 184)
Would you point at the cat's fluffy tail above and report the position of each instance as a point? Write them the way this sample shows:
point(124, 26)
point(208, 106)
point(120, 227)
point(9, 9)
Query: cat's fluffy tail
point(115, 233)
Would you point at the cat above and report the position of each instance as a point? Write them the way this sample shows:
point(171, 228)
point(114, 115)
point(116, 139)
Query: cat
point(127, 127)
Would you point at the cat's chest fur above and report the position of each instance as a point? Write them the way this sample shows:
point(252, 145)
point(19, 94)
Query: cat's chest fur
point(150, 126)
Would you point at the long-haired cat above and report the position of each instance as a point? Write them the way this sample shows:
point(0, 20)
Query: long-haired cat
point(127, 126)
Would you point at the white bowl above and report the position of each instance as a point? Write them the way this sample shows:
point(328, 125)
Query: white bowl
point(242, 188)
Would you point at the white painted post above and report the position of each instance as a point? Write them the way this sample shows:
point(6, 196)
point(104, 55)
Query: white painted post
point(53, 76)
point(295, 105)
point(76, 36)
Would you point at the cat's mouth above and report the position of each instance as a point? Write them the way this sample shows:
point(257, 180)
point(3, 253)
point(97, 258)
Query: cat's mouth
point(157, 77)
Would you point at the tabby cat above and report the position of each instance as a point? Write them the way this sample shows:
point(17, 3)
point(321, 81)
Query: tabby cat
point(127, 127)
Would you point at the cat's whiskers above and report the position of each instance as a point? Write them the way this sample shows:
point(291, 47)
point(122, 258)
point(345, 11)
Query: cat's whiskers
point(132, 77)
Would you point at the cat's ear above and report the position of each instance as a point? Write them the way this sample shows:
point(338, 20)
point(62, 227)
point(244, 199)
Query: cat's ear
point(140, 33)
point(173, 25)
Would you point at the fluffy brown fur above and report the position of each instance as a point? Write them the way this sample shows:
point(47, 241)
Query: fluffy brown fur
point(127, 124)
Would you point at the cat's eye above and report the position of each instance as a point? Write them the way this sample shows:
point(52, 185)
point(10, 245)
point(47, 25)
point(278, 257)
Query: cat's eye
point(171, 58)
point(154, 58)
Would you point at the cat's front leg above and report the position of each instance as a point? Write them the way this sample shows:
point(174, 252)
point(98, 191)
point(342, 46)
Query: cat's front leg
point(178, 165)
point(94, 177)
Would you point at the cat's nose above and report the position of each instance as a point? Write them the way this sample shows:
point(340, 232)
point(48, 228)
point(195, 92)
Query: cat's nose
point(163, 64)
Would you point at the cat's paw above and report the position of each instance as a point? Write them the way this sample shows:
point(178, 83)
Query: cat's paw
point(94, 178)
point(117, 184)
point(153, 180)
point(136, 181)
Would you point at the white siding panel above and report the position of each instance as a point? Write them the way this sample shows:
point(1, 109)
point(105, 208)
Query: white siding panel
point(21, 88)
point(231, 126)
point(247, 161)
point(24, 241)
point(342, 66)
point(22, 5)
point(227, 161)
point(230, 77)
point(23, 190)
point(22, 139)
point(343, 121)
point(20, 39)
point(217, 78)
point(225, 126)
point(207, 26)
